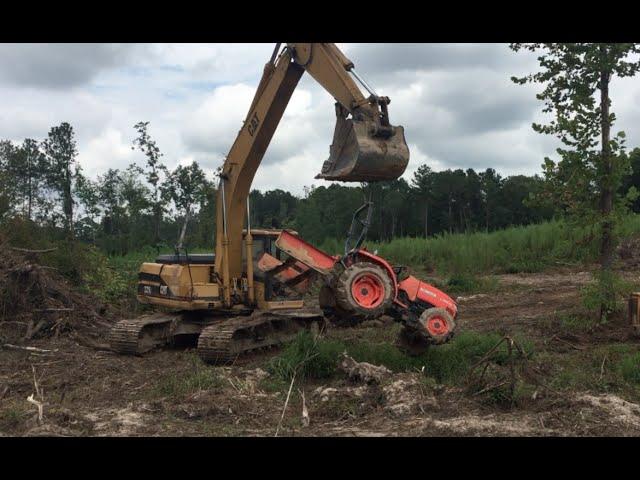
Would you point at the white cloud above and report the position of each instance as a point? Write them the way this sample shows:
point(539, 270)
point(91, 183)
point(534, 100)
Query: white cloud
point(108, 150)
point(456, 102)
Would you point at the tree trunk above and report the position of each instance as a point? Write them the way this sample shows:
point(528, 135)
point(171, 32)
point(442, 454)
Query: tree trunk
point(606, 195)
point(486, 216)
point(68, 205)
point(30, 173)
point(426, 220)
point(184, 229)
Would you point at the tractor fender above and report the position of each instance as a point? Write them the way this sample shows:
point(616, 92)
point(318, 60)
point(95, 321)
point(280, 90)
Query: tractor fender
point(370, 257)
point(422, 291)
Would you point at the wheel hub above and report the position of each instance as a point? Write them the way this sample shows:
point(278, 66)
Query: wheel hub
point(437, 326)
point(368, 291)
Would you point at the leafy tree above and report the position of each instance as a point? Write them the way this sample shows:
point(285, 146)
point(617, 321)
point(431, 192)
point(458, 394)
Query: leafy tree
point(422, 183)
point(27, 166)
point(186, 187)
point(205, 228)
point(154, 173)
point(7, 183)
point(576, 79)
point(63, 169)
point(89, 198)
point(490, 182)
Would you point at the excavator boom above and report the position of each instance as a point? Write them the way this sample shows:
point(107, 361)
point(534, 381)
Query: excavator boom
point(365, 147)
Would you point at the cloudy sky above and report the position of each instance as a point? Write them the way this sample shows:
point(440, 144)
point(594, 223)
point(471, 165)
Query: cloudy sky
point(456, 102)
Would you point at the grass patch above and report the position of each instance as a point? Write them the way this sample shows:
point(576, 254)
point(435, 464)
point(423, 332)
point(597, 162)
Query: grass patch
point(451, 362)
point(630, 368)
point(574, 323)
point(466, 283)
point(611, 368)
point(199, 377)
point(307, 357)
point(447, 363)
point(12, 417)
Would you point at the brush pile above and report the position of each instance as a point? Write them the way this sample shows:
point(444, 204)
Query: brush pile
point(38, 302)
point(629, 252)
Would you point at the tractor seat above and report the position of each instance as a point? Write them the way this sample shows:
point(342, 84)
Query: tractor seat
point(192, 258)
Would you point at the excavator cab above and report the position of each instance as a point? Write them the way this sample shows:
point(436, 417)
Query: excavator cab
point(366, 149)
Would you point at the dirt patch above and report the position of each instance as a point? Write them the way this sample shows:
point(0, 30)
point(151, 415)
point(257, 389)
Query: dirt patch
point(167, 392)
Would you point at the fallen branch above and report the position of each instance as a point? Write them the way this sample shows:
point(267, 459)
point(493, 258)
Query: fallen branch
point(488, 389)
point(27, 250)
point(28, 349)
point(286, 402)
point(572, 345)
point(38, 403)
point(31, 330)
point(602, 367)
point(53, 309)
point(305, 412)
point(85, 342)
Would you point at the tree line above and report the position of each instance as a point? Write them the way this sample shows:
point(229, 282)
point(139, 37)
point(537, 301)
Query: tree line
point(148, 204)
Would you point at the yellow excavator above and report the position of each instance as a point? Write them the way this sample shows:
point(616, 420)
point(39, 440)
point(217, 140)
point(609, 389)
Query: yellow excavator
point(248, 295)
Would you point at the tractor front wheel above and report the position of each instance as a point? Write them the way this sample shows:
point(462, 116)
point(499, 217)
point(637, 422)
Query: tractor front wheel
point(364, 288)
point(438, 325)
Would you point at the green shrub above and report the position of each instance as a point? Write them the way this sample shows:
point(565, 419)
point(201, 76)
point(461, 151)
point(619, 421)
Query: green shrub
point(199, 377)
point(447, 363)
point(630, 368)
point(307, 357)
point(607, 289)
point(462, 282)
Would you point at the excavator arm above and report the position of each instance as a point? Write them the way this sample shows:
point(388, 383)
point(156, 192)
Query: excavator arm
point(366, 147)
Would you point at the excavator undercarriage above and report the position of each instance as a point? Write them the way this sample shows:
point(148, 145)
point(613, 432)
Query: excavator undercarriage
point(221, 334)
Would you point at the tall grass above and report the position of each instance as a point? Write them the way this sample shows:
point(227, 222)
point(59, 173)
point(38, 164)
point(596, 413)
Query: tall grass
point(518, 249)
point(449, 363)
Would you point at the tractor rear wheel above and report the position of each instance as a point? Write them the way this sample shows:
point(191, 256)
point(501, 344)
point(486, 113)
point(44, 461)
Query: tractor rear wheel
point(365, 289)
point(337, 316)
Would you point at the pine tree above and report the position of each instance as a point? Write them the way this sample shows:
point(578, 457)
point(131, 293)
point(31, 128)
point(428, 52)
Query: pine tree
point(63, 169)
point(154, 173)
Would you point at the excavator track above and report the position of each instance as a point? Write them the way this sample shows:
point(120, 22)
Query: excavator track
point(225, 340)
point(140, 335)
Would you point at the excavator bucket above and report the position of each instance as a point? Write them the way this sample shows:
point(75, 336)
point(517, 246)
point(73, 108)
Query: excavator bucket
point(363, 152)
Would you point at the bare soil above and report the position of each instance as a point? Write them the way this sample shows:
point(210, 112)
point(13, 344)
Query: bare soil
point(88, 391)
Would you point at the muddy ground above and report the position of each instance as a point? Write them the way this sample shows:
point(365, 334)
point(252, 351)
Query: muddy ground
point(84, 391)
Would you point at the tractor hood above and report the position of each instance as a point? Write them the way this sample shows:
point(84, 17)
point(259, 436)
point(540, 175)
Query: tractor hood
point(422, 291)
